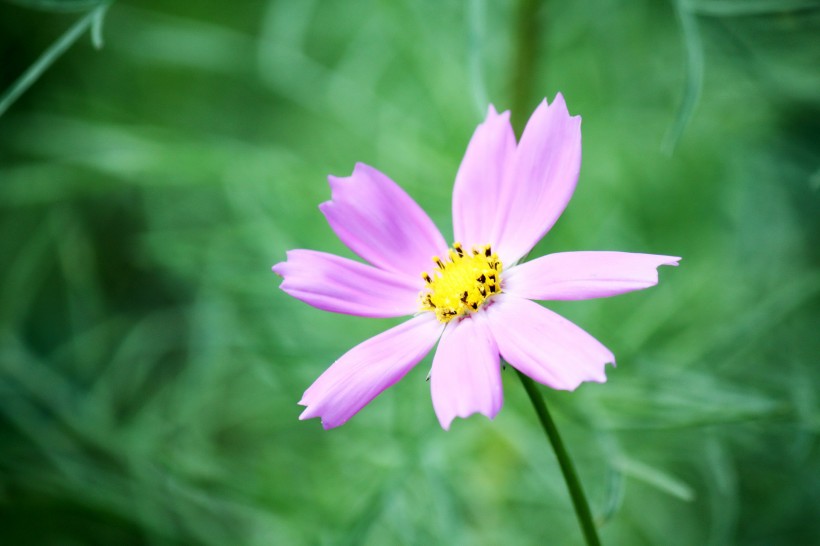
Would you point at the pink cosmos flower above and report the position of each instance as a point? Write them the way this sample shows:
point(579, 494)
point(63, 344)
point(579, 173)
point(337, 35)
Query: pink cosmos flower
point(473, 298)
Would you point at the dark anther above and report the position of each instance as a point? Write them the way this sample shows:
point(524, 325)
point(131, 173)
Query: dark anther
point(482, 291)
point(482, 279)
point(474, 305)
point(492, 289)
point(427, 278)
point(464, 297)
point(488, 252)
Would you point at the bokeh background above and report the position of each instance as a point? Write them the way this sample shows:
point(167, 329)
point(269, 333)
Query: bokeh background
point(150, 366)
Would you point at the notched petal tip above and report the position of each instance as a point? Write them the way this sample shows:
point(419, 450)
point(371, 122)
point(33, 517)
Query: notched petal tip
point(559, 104)
point(358, 167)
point(571, 384)
point(314, 411)
point(307, 413)
point(447, 423)
point(492, 113)
point(361, 166)
point(311, 413)
point(338, 183)
point(281, 268)
point(596, 375)
point(334, 182)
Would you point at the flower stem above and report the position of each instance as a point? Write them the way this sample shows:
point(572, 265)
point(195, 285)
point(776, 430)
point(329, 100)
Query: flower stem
point(579, 500)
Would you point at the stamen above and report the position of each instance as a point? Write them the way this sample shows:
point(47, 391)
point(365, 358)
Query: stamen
point(462, 284)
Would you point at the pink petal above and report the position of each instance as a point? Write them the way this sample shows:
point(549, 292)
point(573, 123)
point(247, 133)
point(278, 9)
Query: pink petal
point(545, 346)
point(367, 369)
point(378, 221)
point(340, 285)
point(542, 179)
point(479, 179)
point(584, 275)
point(466, 374)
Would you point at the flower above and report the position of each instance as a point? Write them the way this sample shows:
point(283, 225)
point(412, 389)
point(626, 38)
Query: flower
point(473, 298)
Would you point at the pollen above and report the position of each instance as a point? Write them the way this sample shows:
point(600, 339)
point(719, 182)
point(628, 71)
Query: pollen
point(462, 283)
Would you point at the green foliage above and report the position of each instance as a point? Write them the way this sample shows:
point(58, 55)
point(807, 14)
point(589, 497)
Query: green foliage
point(150, 367)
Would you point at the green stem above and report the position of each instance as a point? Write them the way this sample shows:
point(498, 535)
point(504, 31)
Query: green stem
point(579, 500)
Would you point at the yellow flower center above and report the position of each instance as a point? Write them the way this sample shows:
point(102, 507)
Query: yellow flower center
point(462, 284)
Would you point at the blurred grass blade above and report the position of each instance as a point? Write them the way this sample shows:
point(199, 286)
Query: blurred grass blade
point(694, 76)
point(93, 18)
point(62, 6)
point(656, 478)
point(746, 8)
point(98, 18)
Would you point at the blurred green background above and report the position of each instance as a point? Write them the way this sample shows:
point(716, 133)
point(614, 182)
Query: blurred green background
point(150, 366)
